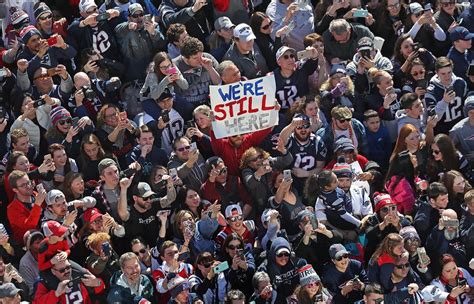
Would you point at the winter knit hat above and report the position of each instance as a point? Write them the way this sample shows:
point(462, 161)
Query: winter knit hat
point(308, 275)
point(58, 113)
point(468, 105)
point(342, 169)
point(177, 285)
point(18, 16)
point(409, 232)
point(41, 9)
point(381, 200)
point(29, 32)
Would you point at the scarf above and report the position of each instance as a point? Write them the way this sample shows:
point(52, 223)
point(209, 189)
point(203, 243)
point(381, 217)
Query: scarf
point(120, 137)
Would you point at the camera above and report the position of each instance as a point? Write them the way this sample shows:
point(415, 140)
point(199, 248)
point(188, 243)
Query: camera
point(38, 103)
point(113, 84)
point(88, 92)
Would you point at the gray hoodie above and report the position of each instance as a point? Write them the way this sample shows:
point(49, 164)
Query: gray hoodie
point(403, 119)
point(381, 63)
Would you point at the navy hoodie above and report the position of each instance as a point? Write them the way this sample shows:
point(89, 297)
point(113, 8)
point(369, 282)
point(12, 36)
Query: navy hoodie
point(284, 278)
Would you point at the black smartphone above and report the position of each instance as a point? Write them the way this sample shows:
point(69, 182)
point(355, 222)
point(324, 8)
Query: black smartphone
point(470, 70)
point(431, 111)
point(462, 281)
point(421, 83)
point(416, 46)
point(365, 54)
point(106, 248)
point(39, 102)
point(102, 17)
point(129, 172)
point(190, 124)
point(450, 89)
point(75, 121)
point(165, 116)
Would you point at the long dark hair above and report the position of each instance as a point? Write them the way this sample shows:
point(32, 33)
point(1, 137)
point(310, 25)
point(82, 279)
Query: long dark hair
point(256, 21)
point(397, 54)
point(448, 150)
point(68, 179)
point(401, 167)
point(181, 197)
point(231, 237)
point(315, 184)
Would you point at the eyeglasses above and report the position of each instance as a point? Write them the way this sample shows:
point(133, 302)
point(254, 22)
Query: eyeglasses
point(392, 6)
point(388, 208)
point(266, 27)
point(260, 157)
point(234, 219)
point(46, 17)
point(27, 184)
point(345, 120)
point(142, 251)
point(208, 264)
point(62, 270)
point(164, 68)
point(306, 127)
point(183, 149)
point(292, 56)
point(418, 73)
point(137, 15)
point(283, 254)
point(446, 4)
point(403, 266)
point(344, 256)
point(233, 247)
point(436, 152)
point(65, 121)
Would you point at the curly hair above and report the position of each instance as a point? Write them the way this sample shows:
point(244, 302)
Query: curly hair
point(245, 159)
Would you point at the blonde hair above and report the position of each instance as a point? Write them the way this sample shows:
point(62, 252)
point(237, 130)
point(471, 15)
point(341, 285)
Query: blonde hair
point(244, 160)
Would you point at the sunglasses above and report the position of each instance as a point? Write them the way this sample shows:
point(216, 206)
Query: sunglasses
point(232, 247)
point(306, 127)
point(283, 254)
point(65, 121)
point(142, 251)
point(137, 15)
point(183, 149)
point(223, 171)
point(289, 56)
point(345, 120)
point(260, 157)
point(234, 219)
point(62, 270)
point(388, 208)
point(446, 4)
point(436, 152)
point(344, 256)
point(46, 17)
point(403, 266)
point(418, 73)
point(313, 284)
point(266, 27)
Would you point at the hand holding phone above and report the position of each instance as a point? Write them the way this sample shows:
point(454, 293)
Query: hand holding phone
point(52, 41)
point(221, 267)
point(165, 116)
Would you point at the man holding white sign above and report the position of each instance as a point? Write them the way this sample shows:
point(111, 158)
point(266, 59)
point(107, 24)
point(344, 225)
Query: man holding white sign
point(240, 108)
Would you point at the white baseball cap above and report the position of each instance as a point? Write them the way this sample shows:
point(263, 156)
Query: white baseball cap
point(244, 32)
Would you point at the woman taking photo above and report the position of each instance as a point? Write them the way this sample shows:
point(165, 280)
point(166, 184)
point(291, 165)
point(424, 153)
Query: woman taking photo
point(162, 74)
point(337, 90)
point(63, 132)
point(454, 280)
point(311, 289)
point(288, 203)
point(457, 186)
point(382, 262)
point(257, 170)
point(416, 79)
point(199, 129)
point(241, 264)
point(262, 27)
point(116, 132)
point(445, 157)
point(205, 282)
point(404, 55)
point(90, 156)
point(310, 106)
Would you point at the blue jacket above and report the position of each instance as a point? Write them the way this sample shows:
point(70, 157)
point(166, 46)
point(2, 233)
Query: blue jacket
point(461, 61)
point(379, 144)
point(328, 137)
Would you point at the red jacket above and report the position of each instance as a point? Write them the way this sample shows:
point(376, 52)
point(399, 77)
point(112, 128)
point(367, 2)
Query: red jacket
point(231, 156)
point(47, 251)
point(22, 219)
point(233, 188)
point(45, 296)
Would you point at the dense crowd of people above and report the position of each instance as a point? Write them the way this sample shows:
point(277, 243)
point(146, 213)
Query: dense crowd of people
point(115, 186)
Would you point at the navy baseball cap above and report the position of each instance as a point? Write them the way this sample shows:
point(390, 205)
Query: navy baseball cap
point(460, 33)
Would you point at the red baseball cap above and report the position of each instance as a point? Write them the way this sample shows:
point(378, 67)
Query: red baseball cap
point(54, 228)
point(91, 215)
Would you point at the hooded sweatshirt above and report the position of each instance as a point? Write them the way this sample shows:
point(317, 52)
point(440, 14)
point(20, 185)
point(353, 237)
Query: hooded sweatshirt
point(403, 119)
point(284, 278)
